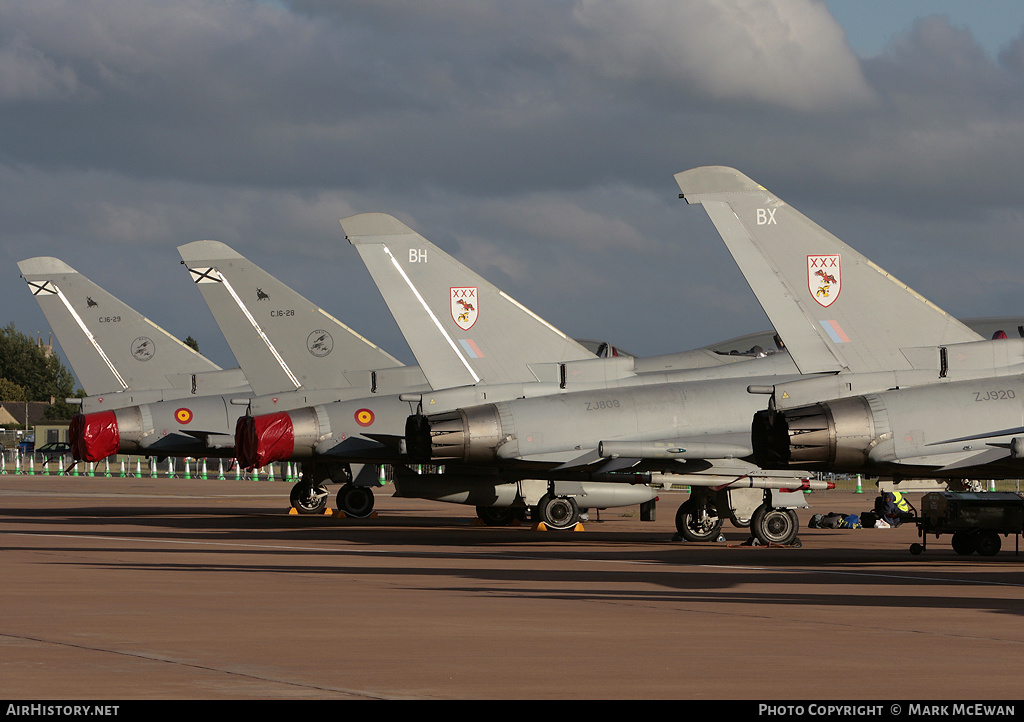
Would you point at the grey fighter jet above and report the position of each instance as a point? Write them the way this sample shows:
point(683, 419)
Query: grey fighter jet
point(702, 422)
point(293, 354)
point(899, 387)
point(476, 345)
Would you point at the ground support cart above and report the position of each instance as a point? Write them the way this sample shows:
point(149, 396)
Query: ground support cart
point(975, 519)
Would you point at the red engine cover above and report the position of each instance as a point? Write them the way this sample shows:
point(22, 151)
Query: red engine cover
point(94, 436)
point(260, 440)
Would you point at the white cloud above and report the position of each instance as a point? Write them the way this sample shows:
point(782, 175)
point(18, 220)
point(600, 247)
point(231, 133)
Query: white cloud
point(789, 53)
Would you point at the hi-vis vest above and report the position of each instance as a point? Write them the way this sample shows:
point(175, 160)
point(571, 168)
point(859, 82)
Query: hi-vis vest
point(901, 502)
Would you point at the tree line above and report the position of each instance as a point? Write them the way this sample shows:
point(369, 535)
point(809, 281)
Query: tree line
point(28, 373)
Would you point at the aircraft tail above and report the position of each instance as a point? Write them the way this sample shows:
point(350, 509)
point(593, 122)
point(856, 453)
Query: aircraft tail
point(110, 346)
point(282, 341)
point(833, 308)
point(485, 336)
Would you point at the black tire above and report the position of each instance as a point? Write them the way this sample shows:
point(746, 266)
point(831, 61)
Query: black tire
point(987, 543)
point(558, 512)
point(308, 498)
point(774, 526)
point(964, 542)
point(497, 515)
point(696, 523)
point(355, 501)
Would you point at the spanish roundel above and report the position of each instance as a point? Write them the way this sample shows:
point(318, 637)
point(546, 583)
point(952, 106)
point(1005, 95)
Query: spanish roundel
point(183, 415)
point(364, 417)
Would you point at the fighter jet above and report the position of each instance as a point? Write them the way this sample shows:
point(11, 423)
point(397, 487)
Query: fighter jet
point(898, 388)
point(704, 421)
point(475, 344)
point(293, 354)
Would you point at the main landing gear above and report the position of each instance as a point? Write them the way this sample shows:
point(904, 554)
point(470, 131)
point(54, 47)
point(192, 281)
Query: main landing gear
point(355, 501)
point(698, 519)
point(309, 495)
point(557, 513)
point(308, 498)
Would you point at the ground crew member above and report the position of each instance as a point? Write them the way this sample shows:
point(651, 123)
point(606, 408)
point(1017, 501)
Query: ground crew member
point(893, 507)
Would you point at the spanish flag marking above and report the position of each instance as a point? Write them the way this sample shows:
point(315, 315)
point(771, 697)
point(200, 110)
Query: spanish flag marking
point(364, 417)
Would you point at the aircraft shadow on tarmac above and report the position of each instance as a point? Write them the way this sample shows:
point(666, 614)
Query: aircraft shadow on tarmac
point(414, 545)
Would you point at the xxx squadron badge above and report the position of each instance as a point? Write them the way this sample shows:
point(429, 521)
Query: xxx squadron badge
point(824, 278)
point(465, 306)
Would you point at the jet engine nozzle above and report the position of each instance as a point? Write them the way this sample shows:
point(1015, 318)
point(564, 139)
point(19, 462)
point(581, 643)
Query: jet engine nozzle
point(472, 434)
point(97, 435)
point(833, 435)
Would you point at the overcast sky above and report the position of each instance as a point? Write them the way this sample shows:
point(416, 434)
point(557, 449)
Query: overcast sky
point(535, 140)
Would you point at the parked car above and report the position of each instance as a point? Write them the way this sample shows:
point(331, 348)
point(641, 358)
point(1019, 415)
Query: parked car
point(53, 450)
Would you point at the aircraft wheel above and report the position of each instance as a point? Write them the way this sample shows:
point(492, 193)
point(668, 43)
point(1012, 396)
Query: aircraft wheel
point(558, 512)
point(987, 543)
point(774, 526)
point(308, 498)
point(964, 542)
point(497, 515)
point(355, 501)
point(695, 522)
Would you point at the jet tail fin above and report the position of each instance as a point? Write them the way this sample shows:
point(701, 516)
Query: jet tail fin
point(110, 346)
point(833, 308)
point(282, 341)
point(485, 335)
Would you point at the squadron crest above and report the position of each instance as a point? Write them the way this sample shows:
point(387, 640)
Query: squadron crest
point(824, 278)
point(465, 306)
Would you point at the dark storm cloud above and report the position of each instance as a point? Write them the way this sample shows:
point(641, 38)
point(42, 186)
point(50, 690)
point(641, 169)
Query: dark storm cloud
point(535, 140)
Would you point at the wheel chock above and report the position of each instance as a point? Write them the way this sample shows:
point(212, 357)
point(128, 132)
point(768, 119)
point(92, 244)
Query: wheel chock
point(342, 515)
point(541, 526)
point(293, 511)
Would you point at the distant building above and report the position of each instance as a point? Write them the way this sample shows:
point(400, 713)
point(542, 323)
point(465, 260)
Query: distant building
point(47, 349)
point(12, 413)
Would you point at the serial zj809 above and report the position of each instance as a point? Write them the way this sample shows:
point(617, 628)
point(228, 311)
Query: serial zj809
point(599, 405)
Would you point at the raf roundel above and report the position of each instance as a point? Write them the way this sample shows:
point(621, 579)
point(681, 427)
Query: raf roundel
point(364, 417)
point(183, 415)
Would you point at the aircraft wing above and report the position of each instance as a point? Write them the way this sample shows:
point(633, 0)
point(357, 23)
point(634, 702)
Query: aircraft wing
point(826, 301)
point(995, 451)
point(461, 328)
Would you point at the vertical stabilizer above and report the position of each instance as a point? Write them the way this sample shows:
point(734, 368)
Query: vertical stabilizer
point(110, 346)
point(833, 308)
point(462, 329)
point(282, 341)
